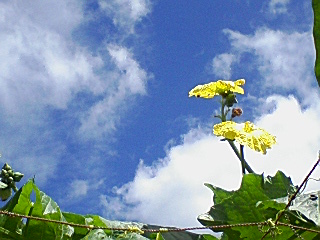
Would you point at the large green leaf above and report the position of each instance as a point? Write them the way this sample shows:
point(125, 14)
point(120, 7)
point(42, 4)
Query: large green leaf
point(46, 208)
point(316, 36)
point(14, 228)
point(308, 205)
point(78, 233)
point(257, 200)
point(19, 203)
point(178, 235)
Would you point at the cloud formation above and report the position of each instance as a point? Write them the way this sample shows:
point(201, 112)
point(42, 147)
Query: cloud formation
point(171, 191)
point(79, 188)
point(44, 75)
point(281, 61)
point(278, 6)
point(221, 65)
point(128, 79)
point(40, 65)
point(126, 14)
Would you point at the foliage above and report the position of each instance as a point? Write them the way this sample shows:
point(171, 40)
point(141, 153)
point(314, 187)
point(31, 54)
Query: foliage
point(45, 207)
point(259, 209)
point(259, 199)
point(316, 36)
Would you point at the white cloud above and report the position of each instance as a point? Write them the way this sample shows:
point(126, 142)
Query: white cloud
point(280, 58)
point(298, 138)
point(134, 78)
point(41, 167)
point(171, 191)
point(278, 6)
point(42, 69)
point(126, 13)
point(129, 79)
point(39, 64)
point(44, 13)
point(79, 188)
point(221, 65)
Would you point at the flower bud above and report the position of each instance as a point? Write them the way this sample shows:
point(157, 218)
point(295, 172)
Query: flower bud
point(10, 172)
point(17, 176)
point(6, 166)
point(3, 172)
point(231, 99)
point(236, 112)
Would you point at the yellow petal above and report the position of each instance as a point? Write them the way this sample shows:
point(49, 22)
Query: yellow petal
point(219, 87)
point(205, 91)
point(225, 129)
point(246, 134)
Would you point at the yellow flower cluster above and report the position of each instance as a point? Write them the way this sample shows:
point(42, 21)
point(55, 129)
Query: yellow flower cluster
point(220, 87)
point(246, 134)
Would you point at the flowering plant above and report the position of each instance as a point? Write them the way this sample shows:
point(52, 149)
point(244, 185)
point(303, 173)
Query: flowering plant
point(246, 134)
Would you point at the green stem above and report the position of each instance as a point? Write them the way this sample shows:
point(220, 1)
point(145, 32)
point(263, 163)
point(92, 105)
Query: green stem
point(244, 164)
point(242, 157)
point(223, 115)
point(242, 160)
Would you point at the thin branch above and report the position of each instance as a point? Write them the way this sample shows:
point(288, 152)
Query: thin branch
point(297, 191)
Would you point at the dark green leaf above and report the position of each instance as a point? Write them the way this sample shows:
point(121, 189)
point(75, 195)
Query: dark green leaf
point(178, 235)
point(257, 200)
point(316, 36)
point(208, 237)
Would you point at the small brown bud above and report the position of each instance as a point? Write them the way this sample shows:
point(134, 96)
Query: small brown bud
point(236, 112)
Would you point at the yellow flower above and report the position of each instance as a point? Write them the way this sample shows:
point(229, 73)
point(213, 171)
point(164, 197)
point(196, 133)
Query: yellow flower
point(220, 87)
point(246, 134)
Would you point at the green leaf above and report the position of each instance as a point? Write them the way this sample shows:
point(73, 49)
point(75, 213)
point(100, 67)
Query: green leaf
point(219, 193)
point(96, 234)
point(308, 205)
point(5, 193)
point(14, 228)
point(257, 200)
point(316, 36)
point(46, 208)
point(208, 237)
point(20, 203)
point(78, 233)
point(172, 235)
point(159, 237)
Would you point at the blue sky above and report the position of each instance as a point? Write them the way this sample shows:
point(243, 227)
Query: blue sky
point(94, 99)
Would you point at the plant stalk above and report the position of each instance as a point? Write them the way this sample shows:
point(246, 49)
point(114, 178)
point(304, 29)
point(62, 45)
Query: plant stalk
point(242, 157)
point(242, 160)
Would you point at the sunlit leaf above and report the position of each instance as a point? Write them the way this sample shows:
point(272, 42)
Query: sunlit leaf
point(257, 200)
